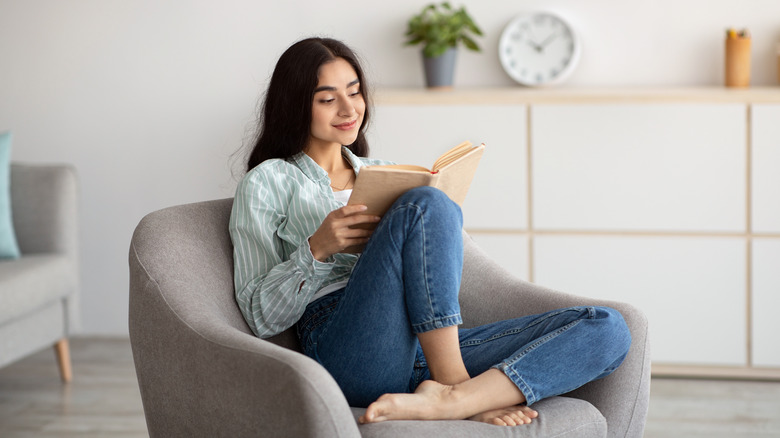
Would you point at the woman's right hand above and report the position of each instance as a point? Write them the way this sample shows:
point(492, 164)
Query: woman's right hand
point(336, 233)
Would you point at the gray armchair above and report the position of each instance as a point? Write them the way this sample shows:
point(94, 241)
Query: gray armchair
point(202, 373)
point(38, 291)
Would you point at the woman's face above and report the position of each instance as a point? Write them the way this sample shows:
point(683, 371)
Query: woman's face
point(338, 107)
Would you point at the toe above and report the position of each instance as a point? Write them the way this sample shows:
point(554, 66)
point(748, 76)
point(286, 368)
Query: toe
point(498, 422)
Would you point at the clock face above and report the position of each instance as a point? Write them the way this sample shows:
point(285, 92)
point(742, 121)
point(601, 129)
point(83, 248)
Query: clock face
point(538, 49)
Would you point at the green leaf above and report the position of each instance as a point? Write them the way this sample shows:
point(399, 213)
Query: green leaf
point(414, 41)
point(439, 26)
point(470, 44)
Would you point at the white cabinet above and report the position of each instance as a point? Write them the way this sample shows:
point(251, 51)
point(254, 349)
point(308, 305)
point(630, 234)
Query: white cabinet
point(661, 167)
point(766, 168)
point(765, 186)
point(417, 134)
point(692, 289)
point(666, 199)
point(766, 302)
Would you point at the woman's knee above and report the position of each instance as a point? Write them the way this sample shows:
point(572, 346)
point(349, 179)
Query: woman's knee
point(426, 195)
point(432, 202)
point(614, 329)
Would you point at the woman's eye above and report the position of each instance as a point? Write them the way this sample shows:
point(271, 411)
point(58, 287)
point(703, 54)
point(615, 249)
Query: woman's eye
point(326, 100)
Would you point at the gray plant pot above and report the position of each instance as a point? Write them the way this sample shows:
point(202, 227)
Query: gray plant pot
point(439, 71)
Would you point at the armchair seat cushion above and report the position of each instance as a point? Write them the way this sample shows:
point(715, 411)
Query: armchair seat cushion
point(560, 417)
point(32, 282)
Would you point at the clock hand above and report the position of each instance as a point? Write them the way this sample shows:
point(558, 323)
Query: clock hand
point(548, 40)
point(532, 40)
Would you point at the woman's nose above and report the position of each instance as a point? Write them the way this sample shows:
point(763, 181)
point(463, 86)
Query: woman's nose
point(347, 108)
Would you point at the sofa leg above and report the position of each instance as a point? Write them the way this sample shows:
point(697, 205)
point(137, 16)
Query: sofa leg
point(63, 359)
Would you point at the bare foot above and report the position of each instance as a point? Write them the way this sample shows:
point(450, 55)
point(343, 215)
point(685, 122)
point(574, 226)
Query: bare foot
point(511, 416)
point(435, 401)
point(430, 401)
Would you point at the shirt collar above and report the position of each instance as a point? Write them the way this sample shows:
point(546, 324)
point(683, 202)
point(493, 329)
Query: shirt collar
point(311, 169)
point(353, 159)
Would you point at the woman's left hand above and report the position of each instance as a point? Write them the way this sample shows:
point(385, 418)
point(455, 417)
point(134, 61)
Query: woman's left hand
point(338, 231)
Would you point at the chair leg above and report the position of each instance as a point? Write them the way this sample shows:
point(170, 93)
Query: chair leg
point(63, 359)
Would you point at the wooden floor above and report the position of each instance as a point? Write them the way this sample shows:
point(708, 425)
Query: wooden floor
point(103, 400)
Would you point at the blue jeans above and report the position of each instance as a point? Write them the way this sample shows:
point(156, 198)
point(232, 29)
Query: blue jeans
point(407, 282)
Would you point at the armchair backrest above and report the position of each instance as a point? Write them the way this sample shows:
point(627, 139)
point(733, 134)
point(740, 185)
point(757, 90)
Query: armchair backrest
point(45, 208)
point(187, 248)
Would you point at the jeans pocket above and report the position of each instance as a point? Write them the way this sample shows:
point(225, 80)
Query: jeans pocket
point(314, 319)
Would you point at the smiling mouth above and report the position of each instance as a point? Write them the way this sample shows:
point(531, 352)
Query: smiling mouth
point(346, 126)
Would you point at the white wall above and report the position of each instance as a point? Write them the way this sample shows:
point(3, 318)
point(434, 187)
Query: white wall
point(150, 99)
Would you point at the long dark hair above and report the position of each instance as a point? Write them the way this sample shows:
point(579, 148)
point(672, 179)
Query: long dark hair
point(285, 121)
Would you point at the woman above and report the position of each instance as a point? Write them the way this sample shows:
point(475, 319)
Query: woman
point(384, 323)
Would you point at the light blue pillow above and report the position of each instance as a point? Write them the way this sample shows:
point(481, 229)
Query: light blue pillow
point(9, 249)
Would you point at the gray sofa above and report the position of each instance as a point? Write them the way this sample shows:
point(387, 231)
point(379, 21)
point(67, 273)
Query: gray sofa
point(202, 373)
point(38, 292)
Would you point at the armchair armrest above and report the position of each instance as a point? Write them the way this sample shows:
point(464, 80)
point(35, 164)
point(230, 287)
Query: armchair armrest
point(200, 370)
point(45, 208)
point(489, 293)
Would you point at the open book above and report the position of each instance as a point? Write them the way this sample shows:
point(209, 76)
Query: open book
point(378, 187)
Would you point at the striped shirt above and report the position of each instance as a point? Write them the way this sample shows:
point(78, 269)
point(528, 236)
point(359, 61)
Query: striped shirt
point(278, 205)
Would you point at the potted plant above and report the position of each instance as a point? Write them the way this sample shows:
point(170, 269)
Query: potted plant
point(440, 29)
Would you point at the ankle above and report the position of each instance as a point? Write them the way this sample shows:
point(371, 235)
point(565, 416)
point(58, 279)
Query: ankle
point(458, 400)
point(451, 378)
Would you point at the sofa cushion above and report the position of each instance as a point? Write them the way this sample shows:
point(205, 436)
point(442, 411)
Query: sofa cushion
point(33, 281)
point(560, 417)
point(8, 245)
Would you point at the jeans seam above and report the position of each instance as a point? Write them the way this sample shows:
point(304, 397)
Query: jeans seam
point(424, 258)
point(517, 379)
point(516, 331)
point(316, 314)
point(548, 337)
point(508, 365)
point(326, 322)
point(435, 323)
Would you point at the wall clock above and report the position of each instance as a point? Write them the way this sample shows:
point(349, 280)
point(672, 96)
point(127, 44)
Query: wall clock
point(539, 48)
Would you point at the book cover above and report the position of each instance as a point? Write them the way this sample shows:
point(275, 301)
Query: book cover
point(378, 187)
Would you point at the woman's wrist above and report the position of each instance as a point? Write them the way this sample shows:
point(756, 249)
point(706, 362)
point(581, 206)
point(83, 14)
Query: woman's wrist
point(318, 255)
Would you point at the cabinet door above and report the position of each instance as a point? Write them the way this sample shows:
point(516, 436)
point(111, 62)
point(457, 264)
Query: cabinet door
point(418, 134)
point(766, 302)
point(658, 167)
point(766, 168)
point(692, 289)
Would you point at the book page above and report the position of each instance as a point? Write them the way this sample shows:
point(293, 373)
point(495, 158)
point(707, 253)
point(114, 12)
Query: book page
point(452, 155)
point(455, 178)
point(406, 167)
